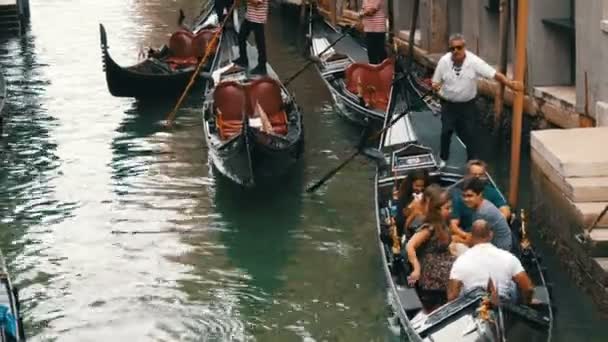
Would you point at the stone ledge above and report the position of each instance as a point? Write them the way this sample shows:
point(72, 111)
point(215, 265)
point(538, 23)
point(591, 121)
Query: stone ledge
point(604, 25)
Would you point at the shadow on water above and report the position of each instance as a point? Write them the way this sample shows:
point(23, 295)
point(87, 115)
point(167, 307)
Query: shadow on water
point(258, 226)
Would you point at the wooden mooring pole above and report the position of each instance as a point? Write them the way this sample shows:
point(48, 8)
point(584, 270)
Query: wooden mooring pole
point(518, 102)
point(503, 57)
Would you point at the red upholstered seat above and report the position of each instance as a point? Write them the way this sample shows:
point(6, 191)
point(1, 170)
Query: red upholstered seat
point(180, 44)
point(372, 82)
point(186, 48)
point(230, 100)
point(201, 41)
point(267, 92)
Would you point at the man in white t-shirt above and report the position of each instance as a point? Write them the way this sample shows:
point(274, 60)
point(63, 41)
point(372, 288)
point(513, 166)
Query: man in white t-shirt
point(482, 262)
point(455, 78)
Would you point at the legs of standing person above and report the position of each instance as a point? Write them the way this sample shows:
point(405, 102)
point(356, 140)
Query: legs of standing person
point(260, 42)
point(447, 128)
point(219, 9)
point(376, 52)
point(245, 30)
point(464, 127)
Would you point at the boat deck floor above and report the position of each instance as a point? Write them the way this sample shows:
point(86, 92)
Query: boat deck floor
point(347, 46)
point(230, 51)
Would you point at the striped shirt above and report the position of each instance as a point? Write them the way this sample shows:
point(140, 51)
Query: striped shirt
point(377, 21)
point(257, 13)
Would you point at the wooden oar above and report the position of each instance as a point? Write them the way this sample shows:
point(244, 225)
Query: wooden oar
point(371, 153)
point(208, 51)
point(315, 59)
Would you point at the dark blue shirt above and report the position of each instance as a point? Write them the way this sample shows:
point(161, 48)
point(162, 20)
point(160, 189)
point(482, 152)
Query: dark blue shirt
point(465, 214)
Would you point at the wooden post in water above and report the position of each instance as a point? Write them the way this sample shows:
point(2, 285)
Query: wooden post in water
point(334, 11)
point(412, 41)
point(518, 102)
point(503, 57)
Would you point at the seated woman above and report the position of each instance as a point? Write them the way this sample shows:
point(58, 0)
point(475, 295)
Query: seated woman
point(412, 203)
point(431, 242)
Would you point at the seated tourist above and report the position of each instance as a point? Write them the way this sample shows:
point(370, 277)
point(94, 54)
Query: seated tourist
point(430, 243)
point(484, 261)
point(410, 194)
point(462, 216)
point(417, 210)
point(472, 196)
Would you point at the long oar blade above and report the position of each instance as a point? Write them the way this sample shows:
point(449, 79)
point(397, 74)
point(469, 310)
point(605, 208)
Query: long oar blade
point(331, 173)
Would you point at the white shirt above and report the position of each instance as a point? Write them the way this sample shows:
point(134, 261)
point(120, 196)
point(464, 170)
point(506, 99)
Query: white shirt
point(461, 86)
point(482, 262)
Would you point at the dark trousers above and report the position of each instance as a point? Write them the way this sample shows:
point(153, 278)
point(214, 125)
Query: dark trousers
point(376, 52)
point(220, 5)
point(260, 41)
point(458, 116)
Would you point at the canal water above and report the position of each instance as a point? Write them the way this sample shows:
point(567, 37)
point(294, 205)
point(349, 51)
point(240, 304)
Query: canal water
point(117, 229)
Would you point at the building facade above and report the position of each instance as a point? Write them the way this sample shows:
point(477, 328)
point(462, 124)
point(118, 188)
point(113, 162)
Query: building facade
point(567, 73)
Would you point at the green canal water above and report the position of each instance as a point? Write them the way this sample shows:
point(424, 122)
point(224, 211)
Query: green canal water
point(210, 262)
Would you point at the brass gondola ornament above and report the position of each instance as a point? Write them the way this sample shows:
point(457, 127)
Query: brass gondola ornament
point(525, 241)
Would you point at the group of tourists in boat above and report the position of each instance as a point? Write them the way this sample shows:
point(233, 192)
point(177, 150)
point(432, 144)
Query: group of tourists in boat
point(457, 238)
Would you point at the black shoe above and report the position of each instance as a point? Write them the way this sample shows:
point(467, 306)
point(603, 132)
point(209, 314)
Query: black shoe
point(259, 70)
point(241, 62)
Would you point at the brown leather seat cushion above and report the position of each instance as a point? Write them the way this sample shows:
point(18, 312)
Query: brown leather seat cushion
point(373, 81)
point(267, 92)
point(186, 47)
point(230, 100)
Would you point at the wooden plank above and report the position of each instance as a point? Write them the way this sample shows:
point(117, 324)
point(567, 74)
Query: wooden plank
point(577, 152)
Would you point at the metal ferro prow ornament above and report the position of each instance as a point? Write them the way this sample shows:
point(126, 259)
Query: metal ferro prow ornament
point(525, 242)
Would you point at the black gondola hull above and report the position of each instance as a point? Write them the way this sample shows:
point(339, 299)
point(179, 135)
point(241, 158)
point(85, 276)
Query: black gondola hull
point(152, 78)
point(123, 82)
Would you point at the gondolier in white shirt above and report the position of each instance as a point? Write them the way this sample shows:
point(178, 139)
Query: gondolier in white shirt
point(455, 78)
point(255, 20)
point(373, 17)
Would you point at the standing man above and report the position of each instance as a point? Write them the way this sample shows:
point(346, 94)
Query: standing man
point(483, 262)
point(374, 26)
point(456, 79)
point(255, 20)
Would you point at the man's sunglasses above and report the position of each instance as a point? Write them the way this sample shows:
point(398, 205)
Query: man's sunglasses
point(456, 48)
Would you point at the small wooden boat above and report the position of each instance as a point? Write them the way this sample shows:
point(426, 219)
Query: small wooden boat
point(253, 126)
point(11, 326)
point(463, 319)
point(361, 91)
point(164, 72)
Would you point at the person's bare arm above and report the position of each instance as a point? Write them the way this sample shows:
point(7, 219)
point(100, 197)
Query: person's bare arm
point(514, 85)
point(506, 212)
point(454, 287)
point(526, 288)
point(456, 230)
point(416, 241)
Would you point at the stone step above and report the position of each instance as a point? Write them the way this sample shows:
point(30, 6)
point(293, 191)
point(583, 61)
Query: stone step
point(588, 189)
point(577, 152)
point(601, 269)
point(589, 211)
point(599, 239)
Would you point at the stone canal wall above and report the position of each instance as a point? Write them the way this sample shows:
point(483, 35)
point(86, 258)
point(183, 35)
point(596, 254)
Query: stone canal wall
point(569, 192)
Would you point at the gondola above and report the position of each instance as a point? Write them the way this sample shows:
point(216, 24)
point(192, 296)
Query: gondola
point(248, 145)
point(11, 326)
point(164, 73)
point(361, 91)
point(471, 317)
